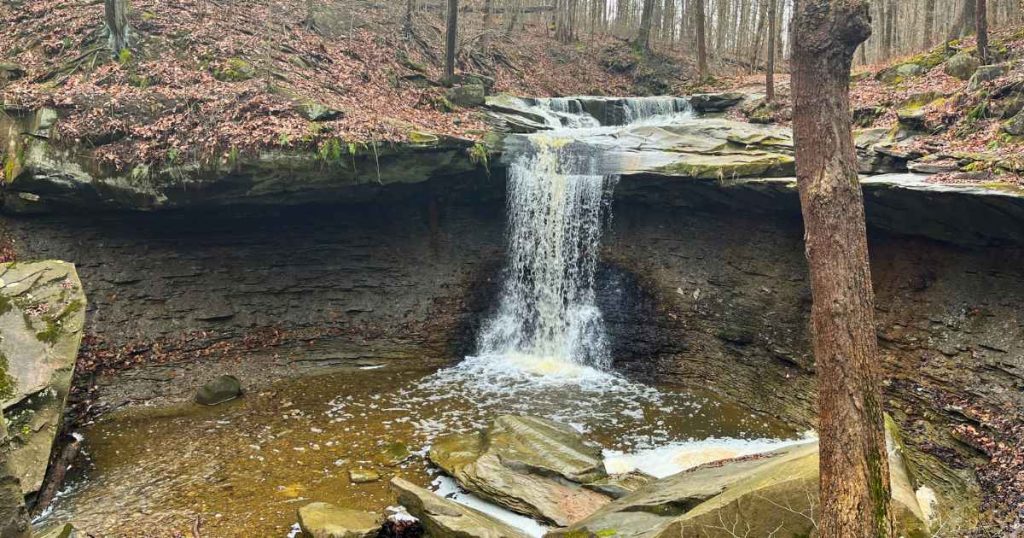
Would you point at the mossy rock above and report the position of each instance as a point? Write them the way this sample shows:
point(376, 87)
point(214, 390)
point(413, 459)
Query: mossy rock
point(234, 70)
point(900, 73)
point(962, 66)
point(324, 520)
point(219, 390)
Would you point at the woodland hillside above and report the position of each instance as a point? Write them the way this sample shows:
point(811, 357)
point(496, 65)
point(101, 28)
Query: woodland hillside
point(204, 80)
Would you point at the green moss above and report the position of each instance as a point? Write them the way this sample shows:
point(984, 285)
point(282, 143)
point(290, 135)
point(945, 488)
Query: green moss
point(478, 155)
point(1008, 188)
point(8, 384)
point(50, 334)
point(421, 138)
point(234, 70)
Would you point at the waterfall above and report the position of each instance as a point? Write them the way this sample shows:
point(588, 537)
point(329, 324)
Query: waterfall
point(547, 312)
point(557, 199)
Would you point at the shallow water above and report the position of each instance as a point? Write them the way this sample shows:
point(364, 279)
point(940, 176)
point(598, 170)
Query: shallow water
point(245, 467)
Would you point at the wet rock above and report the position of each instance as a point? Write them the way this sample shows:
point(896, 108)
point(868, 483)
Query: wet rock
point(446, 519)
point(61, 531)
point(715, 102)
point(619, 485)
point(42, 312)
point(220, 390)
point(324, 520)
point(395, 453)
point(467, 95)
point(363, 476)
point(745, 492)
point(962, 66)
point(529, 465)
point(401, 524)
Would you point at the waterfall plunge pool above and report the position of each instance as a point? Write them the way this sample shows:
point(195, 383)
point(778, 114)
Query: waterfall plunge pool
point(245, 467)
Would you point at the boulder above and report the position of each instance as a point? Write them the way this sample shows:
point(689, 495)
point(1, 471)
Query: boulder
point(899, 73)
point(314, 111)
point(11, 71)
point(986, 73)
point(962, 66)
point(715, 102)
point(442, 518)
point(219, 390)
point(42, 312)
point(362, 476)
point(324, 520)
point(1015, 125)
point(467, 95)
point(770, 494)
point(529, 465)
point(864, 116)
point(619, 485)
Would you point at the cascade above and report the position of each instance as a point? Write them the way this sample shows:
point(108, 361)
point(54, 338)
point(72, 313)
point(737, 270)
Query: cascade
point(557, 204)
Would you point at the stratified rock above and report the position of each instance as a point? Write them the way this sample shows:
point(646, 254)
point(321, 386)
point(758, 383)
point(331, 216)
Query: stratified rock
point(619, 485)
point(446, 519)
point(962, 66)
point(764, 494)
point(467, 95)
point(324, 520)
point(363, 476)
point(220, 390)
point(528, 465)
point(715, 102)
point(42, 311)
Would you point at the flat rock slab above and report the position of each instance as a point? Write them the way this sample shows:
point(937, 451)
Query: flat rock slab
point(447, 519)
point(529, 465)
point(42, 312)
point(325, 520)
point(771, 494)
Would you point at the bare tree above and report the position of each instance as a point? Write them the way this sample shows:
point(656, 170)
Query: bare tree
point(854, 484)
point(769, 83)
point(702, 46)
point(643, 38)
point(981, 25)
point(451, 35)
point(116, 19)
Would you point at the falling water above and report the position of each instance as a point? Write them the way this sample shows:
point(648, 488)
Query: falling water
point(547, 312)
point(558, 194)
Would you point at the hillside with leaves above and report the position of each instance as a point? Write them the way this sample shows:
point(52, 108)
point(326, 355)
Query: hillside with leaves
point(210, 79)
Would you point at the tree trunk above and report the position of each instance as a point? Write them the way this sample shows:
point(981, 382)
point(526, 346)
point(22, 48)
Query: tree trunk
point(485, 39)
point(769, 84)
point(854, 463)
point(410, 6)
point(702, 46)
point(929, 23)
point(643, 38)
point(117, 25)
point(450, 40)
point(981, 14)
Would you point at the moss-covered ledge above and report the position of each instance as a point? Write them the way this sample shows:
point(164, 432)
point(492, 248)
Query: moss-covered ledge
point(42, 175)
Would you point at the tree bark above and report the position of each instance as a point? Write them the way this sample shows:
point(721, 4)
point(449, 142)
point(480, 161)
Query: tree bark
point(769, 72)
point(116, 18)
point(485, 39)
point(407, 28)
point(854, 484)
point(981, 24)
point(643, 38)
point(702, 46)
point(450, 40)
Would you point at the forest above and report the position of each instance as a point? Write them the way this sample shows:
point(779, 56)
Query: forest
point(512, 268)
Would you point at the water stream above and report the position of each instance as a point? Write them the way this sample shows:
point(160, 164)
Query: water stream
point(245, 467)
